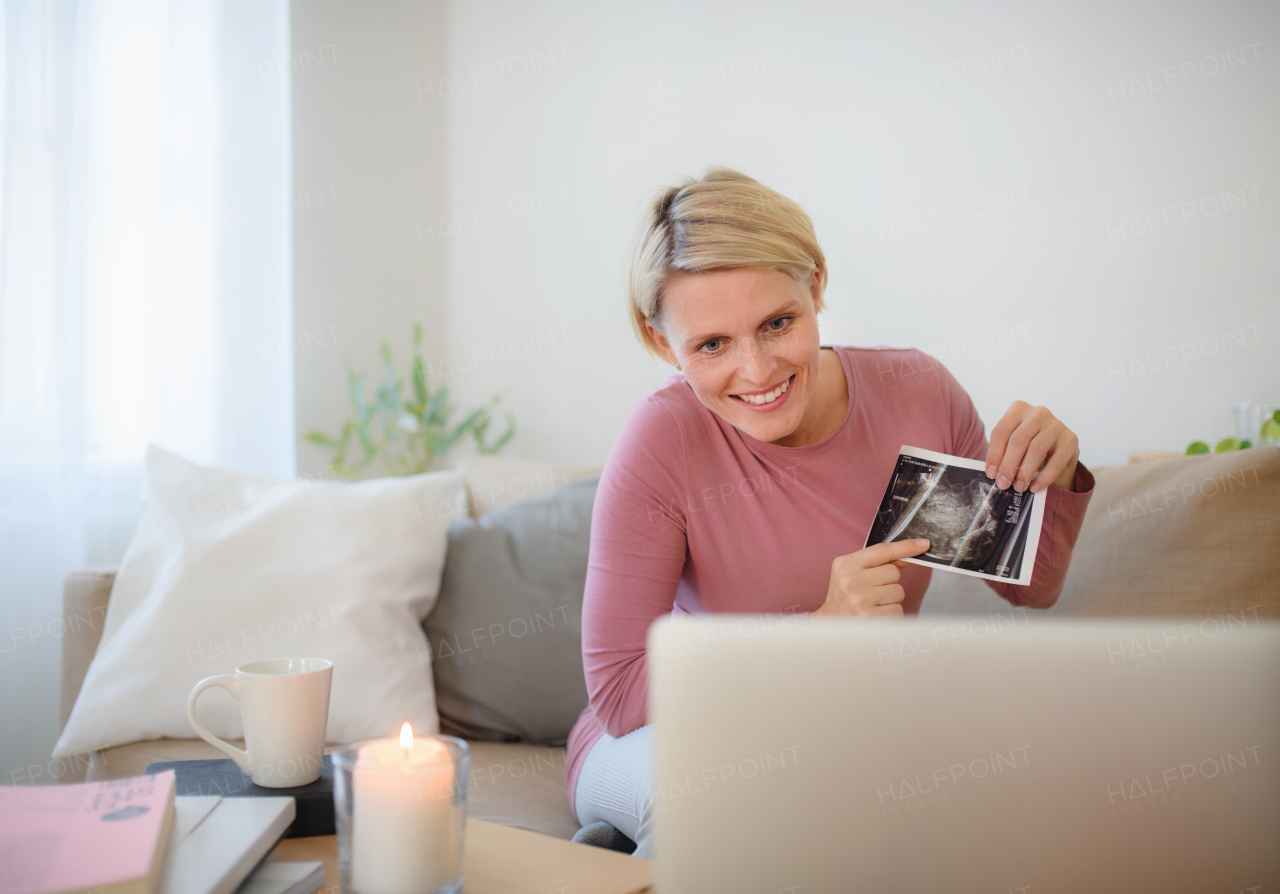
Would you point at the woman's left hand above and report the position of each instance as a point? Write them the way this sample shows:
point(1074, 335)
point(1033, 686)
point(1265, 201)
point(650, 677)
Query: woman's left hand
point(1031, 446)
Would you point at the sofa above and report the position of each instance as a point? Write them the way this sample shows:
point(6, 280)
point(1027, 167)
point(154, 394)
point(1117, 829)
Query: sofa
point(1194, 536)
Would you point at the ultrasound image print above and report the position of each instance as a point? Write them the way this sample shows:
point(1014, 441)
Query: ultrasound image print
point(958, 522)
point(972, 526)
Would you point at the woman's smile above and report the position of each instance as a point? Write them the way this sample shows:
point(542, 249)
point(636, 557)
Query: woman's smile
point(767, 399)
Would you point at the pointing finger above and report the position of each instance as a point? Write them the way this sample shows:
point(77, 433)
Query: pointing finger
point(883, 553)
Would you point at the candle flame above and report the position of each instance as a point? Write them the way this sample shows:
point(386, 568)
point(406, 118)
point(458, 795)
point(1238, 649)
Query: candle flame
point(406, 737)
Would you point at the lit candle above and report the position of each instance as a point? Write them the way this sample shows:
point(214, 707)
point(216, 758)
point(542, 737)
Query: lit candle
point(405, 827)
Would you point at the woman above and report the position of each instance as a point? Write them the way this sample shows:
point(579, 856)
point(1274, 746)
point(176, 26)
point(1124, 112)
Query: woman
point(747, 482)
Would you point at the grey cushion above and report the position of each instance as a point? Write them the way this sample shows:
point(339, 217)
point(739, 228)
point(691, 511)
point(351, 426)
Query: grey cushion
point(506, 632)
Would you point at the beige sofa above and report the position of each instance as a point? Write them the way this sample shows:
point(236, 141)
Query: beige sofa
point(1195, 536)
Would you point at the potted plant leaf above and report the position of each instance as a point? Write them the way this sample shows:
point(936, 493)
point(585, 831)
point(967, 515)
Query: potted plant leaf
point(410, 430)
point(1270, 432)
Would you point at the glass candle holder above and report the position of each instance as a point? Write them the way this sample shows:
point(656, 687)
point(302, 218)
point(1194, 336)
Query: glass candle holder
point(400, 806)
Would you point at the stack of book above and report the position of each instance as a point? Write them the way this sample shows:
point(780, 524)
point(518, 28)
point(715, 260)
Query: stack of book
point(134, 836)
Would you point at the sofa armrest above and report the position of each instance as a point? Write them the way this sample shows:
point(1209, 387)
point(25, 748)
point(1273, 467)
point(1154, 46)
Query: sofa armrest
point(85, 594)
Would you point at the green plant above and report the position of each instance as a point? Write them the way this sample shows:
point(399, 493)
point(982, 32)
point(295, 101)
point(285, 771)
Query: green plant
point(410, 434)
point(1271, 428)
point(1226, 445)
point(1270, 432)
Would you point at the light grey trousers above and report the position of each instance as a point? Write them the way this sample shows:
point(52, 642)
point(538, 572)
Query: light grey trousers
point(615, 784)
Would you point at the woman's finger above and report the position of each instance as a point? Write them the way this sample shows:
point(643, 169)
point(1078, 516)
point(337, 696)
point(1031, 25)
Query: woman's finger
point(1037, 452)
point(888, 595)
point(1015, 450)
point(1011, 419)
point(885, 574)
point(882, 553)
point(1064, 451)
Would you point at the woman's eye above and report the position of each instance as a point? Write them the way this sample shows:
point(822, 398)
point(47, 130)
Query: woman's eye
point(778, 325)
point(710, 347)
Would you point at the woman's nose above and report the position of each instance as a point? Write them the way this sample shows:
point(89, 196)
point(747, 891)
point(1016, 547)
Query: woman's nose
point(756, 364)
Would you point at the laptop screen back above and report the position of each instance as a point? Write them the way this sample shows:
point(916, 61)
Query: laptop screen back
point(984, 754)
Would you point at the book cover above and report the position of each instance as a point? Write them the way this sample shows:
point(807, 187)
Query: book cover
point(225, 838)
point(222, 778)
point(106, 836)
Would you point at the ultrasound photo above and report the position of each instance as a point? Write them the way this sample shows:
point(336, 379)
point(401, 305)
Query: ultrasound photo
point(972, 526)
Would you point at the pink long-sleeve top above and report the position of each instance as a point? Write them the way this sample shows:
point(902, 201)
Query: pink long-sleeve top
point(694, 515)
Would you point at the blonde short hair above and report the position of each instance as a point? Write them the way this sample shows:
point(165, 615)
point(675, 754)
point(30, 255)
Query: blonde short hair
point(719, 221)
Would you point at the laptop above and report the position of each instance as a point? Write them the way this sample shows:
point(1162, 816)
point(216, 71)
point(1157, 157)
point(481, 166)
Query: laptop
point(975, 754)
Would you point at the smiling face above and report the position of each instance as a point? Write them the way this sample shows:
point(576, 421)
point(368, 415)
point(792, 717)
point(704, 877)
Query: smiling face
point(747, 342)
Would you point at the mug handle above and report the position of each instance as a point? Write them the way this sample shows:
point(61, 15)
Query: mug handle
point(229, 683)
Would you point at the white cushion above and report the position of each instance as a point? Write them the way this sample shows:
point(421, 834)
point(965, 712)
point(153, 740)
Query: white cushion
point(229, 568)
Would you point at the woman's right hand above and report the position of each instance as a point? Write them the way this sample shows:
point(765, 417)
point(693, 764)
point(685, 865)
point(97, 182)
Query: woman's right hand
point(866, 582)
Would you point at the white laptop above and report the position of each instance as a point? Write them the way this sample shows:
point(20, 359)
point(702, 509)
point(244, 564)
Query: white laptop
point(982, 754)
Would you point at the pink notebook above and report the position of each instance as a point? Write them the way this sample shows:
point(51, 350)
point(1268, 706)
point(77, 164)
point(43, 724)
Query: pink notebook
point(97, 835)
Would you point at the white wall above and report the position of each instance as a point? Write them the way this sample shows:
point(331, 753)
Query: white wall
point(981, 181)
point(368, 163)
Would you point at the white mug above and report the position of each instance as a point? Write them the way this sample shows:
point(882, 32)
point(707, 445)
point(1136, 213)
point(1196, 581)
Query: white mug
point(284, 703)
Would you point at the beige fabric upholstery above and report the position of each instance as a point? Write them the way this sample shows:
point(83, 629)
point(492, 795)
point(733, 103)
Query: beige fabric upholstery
point(84, 609)
point(1197, 535)
point(521, 785)
point(512, 784)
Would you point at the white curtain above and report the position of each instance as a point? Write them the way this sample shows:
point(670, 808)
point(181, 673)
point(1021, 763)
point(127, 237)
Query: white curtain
point(144, 290)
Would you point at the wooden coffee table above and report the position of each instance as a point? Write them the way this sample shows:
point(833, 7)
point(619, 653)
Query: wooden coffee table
point(505, 859)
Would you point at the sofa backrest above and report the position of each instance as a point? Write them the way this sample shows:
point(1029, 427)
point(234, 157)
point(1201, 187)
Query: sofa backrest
point(1196, 535)
point(85, 594)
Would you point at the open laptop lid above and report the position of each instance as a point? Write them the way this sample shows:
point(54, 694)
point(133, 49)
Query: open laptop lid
point(970, 754)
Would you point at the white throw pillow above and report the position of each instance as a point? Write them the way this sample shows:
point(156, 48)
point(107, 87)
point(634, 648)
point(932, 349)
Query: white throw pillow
point(229, 568)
